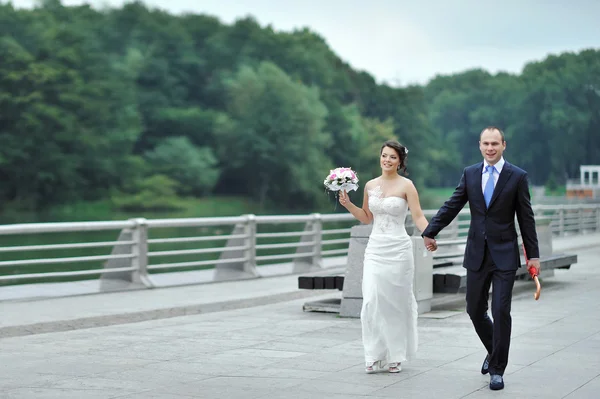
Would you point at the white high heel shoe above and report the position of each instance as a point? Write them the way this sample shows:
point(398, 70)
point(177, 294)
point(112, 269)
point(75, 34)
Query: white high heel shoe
point(374, 367)
point(394, 368)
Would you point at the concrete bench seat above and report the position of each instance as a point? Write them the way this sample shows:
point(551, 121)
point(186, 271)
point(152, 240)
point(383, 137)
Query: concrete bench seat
point(334, 279)
point(439, 272)
point(446, 279)
point(330, 282)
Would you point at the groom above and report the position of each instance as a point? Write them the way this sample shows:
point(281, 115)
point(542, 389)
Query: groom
point(496, 191)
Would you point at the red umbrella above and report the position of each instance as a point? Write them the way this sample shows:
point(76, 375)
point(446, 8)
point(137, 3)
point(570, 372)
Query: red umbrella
point(533, 272)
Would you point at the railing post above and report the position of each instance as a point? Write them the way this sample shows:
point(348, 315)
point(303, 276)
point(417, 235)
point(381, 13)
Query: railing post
point(317, 238)
point(250, 231)
point(454, 227)
point(140, 252)
point(239, 263)
point(597, 227)
point(580, 219)
point(132, 241)
point(561, 221)
point(312, 231)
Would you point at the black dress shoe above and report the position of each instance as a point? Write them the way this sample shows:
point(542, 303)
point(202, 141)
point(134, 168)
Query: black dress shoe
point(496, 382)
point(486, 365)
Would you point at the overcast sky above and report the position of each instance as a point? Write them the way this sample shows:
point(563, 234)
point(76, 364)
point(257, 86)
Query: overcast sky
point(403, 42)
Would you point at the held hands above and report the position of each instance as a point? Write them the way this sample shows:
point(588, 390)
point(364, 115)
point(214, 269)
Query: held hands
point(430, 244)
point(344, 199)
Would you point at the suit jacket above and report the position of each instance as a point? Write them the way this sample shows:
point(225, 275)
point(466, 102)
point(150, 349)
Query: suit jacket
point(495, 224)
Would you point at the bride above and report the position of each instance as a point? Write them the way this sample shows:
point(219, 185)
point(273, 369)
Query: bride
point(389, 310)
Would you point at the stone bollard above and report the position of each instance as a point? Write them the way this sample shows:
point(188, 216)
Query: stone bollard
point(423, 280)
point(544, 233)
point(352, 293)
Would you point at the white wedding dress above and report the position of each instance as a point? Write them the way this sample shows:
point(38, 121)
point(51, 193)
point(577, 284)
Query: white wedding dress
point(389, 309)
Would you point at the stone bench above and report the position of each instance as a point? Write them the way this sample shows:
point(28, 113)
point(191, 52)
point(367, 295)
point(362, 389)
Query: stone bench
point(442, 275)
point(334, 279)
point(349, 280)
point(446, 279)
point(453, 279)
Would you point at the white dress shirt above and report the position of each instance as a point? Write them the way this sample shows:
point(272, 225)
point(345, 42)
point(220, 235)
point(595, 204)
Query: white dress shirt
point(485, 175)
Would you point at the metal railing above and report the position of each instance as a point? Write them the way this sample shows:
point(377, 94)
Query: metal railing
point(233, 247)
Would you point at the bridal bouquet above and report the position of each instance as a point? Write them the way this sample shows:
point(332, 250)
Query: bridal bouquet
point(341, 179)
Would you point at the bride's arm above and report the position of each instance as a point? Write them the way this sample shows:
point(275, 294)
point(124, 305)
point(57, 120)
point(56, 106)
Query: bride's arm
point(415, 207)
point(363, 214)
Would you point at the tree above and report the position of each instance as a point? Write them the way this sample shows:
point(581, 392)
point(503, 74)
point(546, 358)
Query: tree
point(272, 144)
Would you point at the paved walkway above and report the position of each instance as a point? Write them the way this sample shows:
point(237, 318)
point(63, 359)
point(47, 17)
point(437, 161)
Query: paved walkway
point(266, 347)
point(21, 316)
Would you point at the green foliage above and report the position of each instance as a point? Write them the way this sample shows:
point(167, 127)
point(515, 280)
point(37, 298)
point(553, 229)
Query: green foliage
point(193, 168)
point(155, 193)
point(133, 101)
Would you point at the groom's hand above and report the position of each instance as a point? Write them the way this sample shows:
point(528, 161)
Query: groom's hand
point(535, 263)
point(430, 243)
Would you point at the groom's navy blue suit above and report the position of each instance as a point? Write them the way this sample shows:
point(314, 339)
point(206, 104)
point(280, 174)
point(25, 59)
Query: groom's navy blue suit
point(492, 251)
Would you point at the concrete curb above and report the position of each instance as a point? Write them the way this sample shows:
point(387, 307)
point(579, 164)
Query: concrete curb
point(136, 317)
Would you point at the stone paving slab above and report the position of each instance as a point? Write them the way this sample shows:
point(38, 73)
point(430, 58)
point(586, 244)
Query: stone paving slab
point(278, 351)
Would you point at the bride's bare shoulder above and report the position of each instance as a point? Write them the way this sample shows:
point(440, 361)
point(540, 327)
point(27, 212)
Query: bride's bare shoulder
point(407, 183)
point(371, 184)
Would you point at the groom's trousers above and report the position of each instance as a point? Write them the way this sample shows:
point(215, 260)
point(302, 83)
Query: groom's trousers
point(495, 335)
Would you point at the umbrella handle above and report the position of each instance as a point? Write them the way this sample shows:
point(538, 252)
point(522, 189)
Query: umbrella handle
point(538, 288)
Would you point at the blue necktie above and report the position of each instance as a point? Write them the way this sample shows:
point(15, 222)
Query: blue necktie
point(489, 186)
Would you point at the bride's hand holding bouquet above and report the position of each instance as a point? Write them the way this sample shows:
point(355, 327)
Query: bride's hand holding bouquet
point(340, 181)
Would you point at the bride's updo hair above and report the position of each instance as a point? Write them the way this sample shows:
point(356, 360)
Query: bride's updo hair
point(401, 150)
